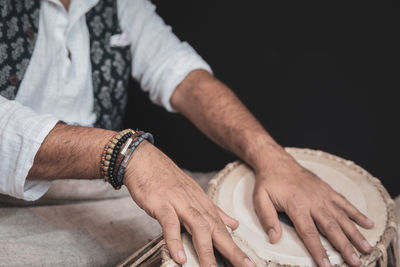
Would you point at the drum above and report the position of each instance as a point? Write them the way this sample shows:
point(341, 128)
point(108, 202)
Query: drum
point(232, 191)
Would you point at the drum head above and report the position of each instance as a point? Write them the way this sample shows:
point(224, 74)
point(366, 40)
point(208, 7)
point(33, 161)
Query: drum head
point(232, 191)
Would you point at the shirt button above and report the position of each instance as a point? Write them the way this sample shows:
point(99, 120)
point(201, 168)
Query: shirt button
point(30, 33)
point(13, 79)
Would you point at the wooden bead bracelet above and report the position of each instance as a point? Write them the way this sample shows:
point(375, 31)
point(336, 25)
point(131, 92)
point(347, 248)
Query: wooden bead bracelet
point(110, 152)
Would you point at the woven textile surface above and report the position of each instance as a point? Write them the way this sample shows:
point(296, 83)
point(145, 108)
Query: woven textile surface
point(77, 223)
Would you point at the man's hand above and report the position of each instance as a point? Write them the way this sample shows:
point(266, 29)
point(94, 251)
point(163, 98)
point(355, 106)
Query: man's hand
point(167, 194)
point(311, 204)
point(282, 184)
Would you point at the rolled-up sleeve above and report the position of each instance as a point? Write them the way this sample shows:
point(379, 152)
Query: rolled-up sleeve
point(22, 131)
point(160, 61)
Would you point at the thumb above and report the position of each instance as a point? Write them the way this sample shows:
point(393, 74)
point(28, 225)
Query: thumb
point(267, 215)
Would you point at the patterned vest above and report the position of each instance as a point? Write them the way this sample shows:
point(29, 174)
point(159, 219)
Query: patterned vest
point(110, 65)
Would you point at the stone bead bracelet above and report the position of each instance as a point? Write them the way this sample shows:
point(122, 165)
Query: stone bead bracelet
point(131, 149)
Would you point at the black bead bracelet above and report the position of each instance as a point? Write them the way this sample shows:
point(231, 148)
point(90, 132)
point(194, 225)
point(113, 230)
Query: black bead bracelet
point(114, 155)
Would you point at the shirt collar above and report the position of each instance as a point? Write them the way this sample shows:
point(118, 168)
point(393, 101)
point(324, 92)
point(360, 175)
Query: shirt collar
point(76, 9)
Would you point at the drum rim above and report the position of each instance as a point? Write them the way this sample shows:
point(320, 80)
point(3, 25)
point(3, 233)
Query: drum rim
point(379, 251)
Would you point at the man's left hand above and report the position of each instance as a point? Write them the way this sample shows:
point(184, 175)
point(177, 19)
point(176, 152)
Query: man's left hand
point(312, 205)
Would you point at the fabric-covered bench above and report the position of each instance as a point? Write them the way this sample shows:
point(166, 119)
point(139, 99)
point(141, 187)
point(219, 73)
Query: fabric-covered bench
point(77, 223)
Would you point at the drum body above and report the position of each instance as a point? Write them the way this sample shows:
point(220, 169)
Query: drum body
point(232, 191)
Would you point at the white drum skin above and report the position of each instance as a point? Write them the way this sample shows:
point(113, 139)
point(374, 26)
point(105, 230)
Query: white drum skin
point(232, 191)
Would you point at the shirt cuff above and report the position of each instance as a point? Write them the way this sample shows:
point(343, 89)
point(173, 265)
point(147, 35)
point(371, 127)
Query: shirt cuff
point(179, 73)
point(173, 72)
point(22, 132)
point(35, 189)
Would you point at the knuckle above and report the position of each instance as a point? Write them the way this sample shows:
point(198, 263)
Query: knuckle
point(334, 204)
point(297, 205)
point(354, 233)
point(212, 217)
point(194, 212)
point(322, 211)
point(203, 226)
point(308, 232)
point(207, 251)
point(221, 231)
point(352, 211)
point(171, 241)
point(171, 223)
point(292, 207)
point(334, 196)
point(344, 219)
point(161, 213)
point(341, 215)
point(332, 227)
point(346, 246)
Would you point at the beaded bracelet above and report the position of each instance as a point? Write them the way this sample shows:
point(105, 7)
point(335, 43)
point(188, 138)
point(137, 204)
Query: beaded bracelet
point(110, 152)
point(120, 157)
point(114, 155)
point(132, 148)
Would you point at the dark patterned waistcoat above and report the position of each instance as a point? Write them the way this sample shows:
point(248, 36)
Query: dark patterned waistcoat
point(110, 65)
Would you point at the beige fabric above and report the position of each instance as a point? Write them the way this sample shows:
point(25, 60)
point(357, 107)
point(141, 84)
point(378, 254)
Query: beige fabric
point(91, 225)
point(95, 233)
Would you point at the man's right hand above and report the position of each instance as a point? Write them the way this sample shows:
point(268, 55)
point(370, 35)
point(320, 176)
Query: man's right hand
point(167, 194)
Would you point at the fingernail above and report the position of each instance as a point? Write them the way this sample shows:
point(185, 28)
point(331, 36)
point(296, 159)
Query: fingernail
point(366, 245)
point(249, 263)
point(181, 255)
point(271, 233)
point(355, 258)
point(370, 222)
point(326, 262)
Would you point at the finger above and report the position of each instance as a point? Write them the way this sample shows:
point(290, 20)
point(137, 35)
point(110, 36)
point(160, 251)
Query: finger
point(224, 243)
point(331, 229)
point(201, 236)
point(351, 231)
point(353, 212)
point(227, 220)
point(172, 234)
point(267, 215)
point(307, 231)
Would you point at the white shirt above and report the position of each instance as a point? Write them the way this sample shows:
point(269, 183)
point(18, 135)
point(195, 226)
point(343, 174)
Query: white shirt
point(56, 87)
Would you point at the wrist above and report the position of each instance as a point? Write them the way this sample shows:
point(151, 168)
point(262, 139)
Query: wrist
point(265, 154)
point(117, 153)
point(139, 164)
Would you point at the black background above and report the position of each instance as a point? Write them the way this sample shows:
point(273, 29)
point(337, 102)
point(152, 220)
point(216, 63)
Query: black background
point(320, 75)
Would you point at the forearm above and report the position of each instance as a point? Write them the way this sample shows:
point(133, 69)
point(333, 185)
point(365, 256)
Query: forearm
point(218, 112)
point(70, 152)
